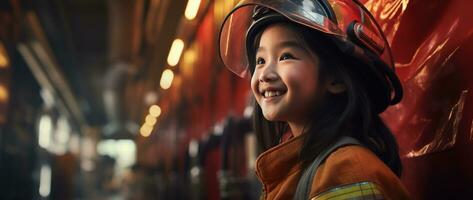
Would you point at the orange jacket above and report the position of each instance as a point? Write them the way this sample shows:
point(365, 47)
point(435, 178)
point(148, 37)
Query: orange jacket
point(350, 171)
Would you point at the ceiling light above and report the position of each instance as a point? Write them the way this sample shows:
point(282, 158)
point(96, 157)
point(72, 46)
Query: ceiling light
point(175, 52)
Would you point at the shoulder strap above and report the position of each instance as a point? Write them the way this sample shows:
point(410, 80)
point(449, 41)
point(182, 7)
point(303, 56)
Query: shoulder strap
point(305, 182)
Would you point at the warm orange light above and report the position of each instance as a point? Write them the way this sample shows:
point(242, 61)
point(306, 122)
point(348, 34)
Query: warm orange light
point(190, 56)
point(3, 94)
point(166, 79)
point(3, 57)
point(155, 111)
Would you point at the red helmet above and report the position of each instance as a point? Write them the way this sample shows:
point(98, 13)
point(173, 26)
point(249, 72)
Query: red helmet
point(348, 22)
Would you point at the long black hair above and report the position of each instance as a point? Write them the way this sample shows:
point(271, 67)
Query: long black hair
point(351, 113)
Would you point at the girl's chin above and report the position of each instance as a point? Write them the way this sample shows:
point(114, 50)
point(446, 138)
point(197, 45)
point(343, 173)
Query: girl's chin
point(271, 117)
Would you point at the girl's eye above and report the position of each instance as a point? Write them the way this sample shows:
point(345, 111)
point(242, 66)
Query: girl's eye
point(259, 61)
point(286, 56)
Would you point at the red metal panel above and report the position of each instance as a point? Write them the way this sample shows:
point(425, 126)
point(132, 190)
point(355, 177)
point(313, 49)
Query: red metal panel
point(433, 47)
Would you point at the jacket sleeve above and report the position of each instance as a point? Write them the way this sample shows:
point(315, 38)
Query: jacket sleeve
point(355, 170)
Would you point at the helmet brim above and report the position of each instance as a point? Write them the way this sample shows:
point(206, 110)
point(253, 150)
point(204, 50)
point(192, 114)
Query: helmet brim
point(312, 14)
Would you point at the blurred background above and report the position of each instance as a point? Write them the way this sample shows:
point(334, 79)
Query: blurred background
point(127, 99)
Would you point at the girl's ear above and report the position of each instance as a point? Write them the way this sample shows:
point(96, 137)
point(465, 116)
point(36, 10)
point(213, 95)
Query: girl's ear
point(334, 86)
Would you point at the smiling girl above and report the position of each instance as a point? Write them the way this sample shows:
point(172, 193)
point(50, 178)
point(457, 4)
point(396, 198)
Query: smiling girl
point(321, 73)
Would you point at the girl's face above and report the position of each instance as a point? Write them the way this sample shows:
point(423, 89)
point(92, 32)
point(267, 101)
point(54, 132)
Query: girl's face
point(285, 79)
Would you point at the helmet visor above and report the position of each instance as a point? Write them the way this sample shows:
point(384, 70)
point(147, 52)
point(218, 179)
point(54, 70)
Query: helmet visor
point(330, 16)
point(232, 37)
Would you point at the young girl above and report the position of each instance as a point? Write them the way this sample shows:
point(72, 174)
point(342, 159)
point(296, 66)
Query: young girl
point(321, 72)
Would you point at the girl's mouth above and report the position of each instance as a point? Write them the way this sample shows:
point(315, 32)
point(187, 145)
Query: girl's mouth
point(272, 92)
point(268, 94)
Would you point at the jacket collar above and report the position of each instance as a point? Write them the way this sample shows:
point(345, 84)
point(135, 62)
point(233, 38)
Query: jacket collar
point(279, 161)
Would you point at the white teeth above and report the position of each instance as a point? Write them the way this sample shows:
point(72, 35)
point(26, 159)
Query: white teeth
point(272, 93)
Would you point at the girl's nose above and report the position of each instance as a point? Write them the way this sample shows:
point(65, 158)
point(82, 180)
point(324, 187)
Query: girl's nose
point(268, 74)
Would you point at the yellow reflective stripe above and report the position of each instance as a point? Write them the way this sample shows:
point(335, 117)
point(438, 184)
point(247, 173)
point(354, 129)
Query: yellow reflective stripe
point(360, 190)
